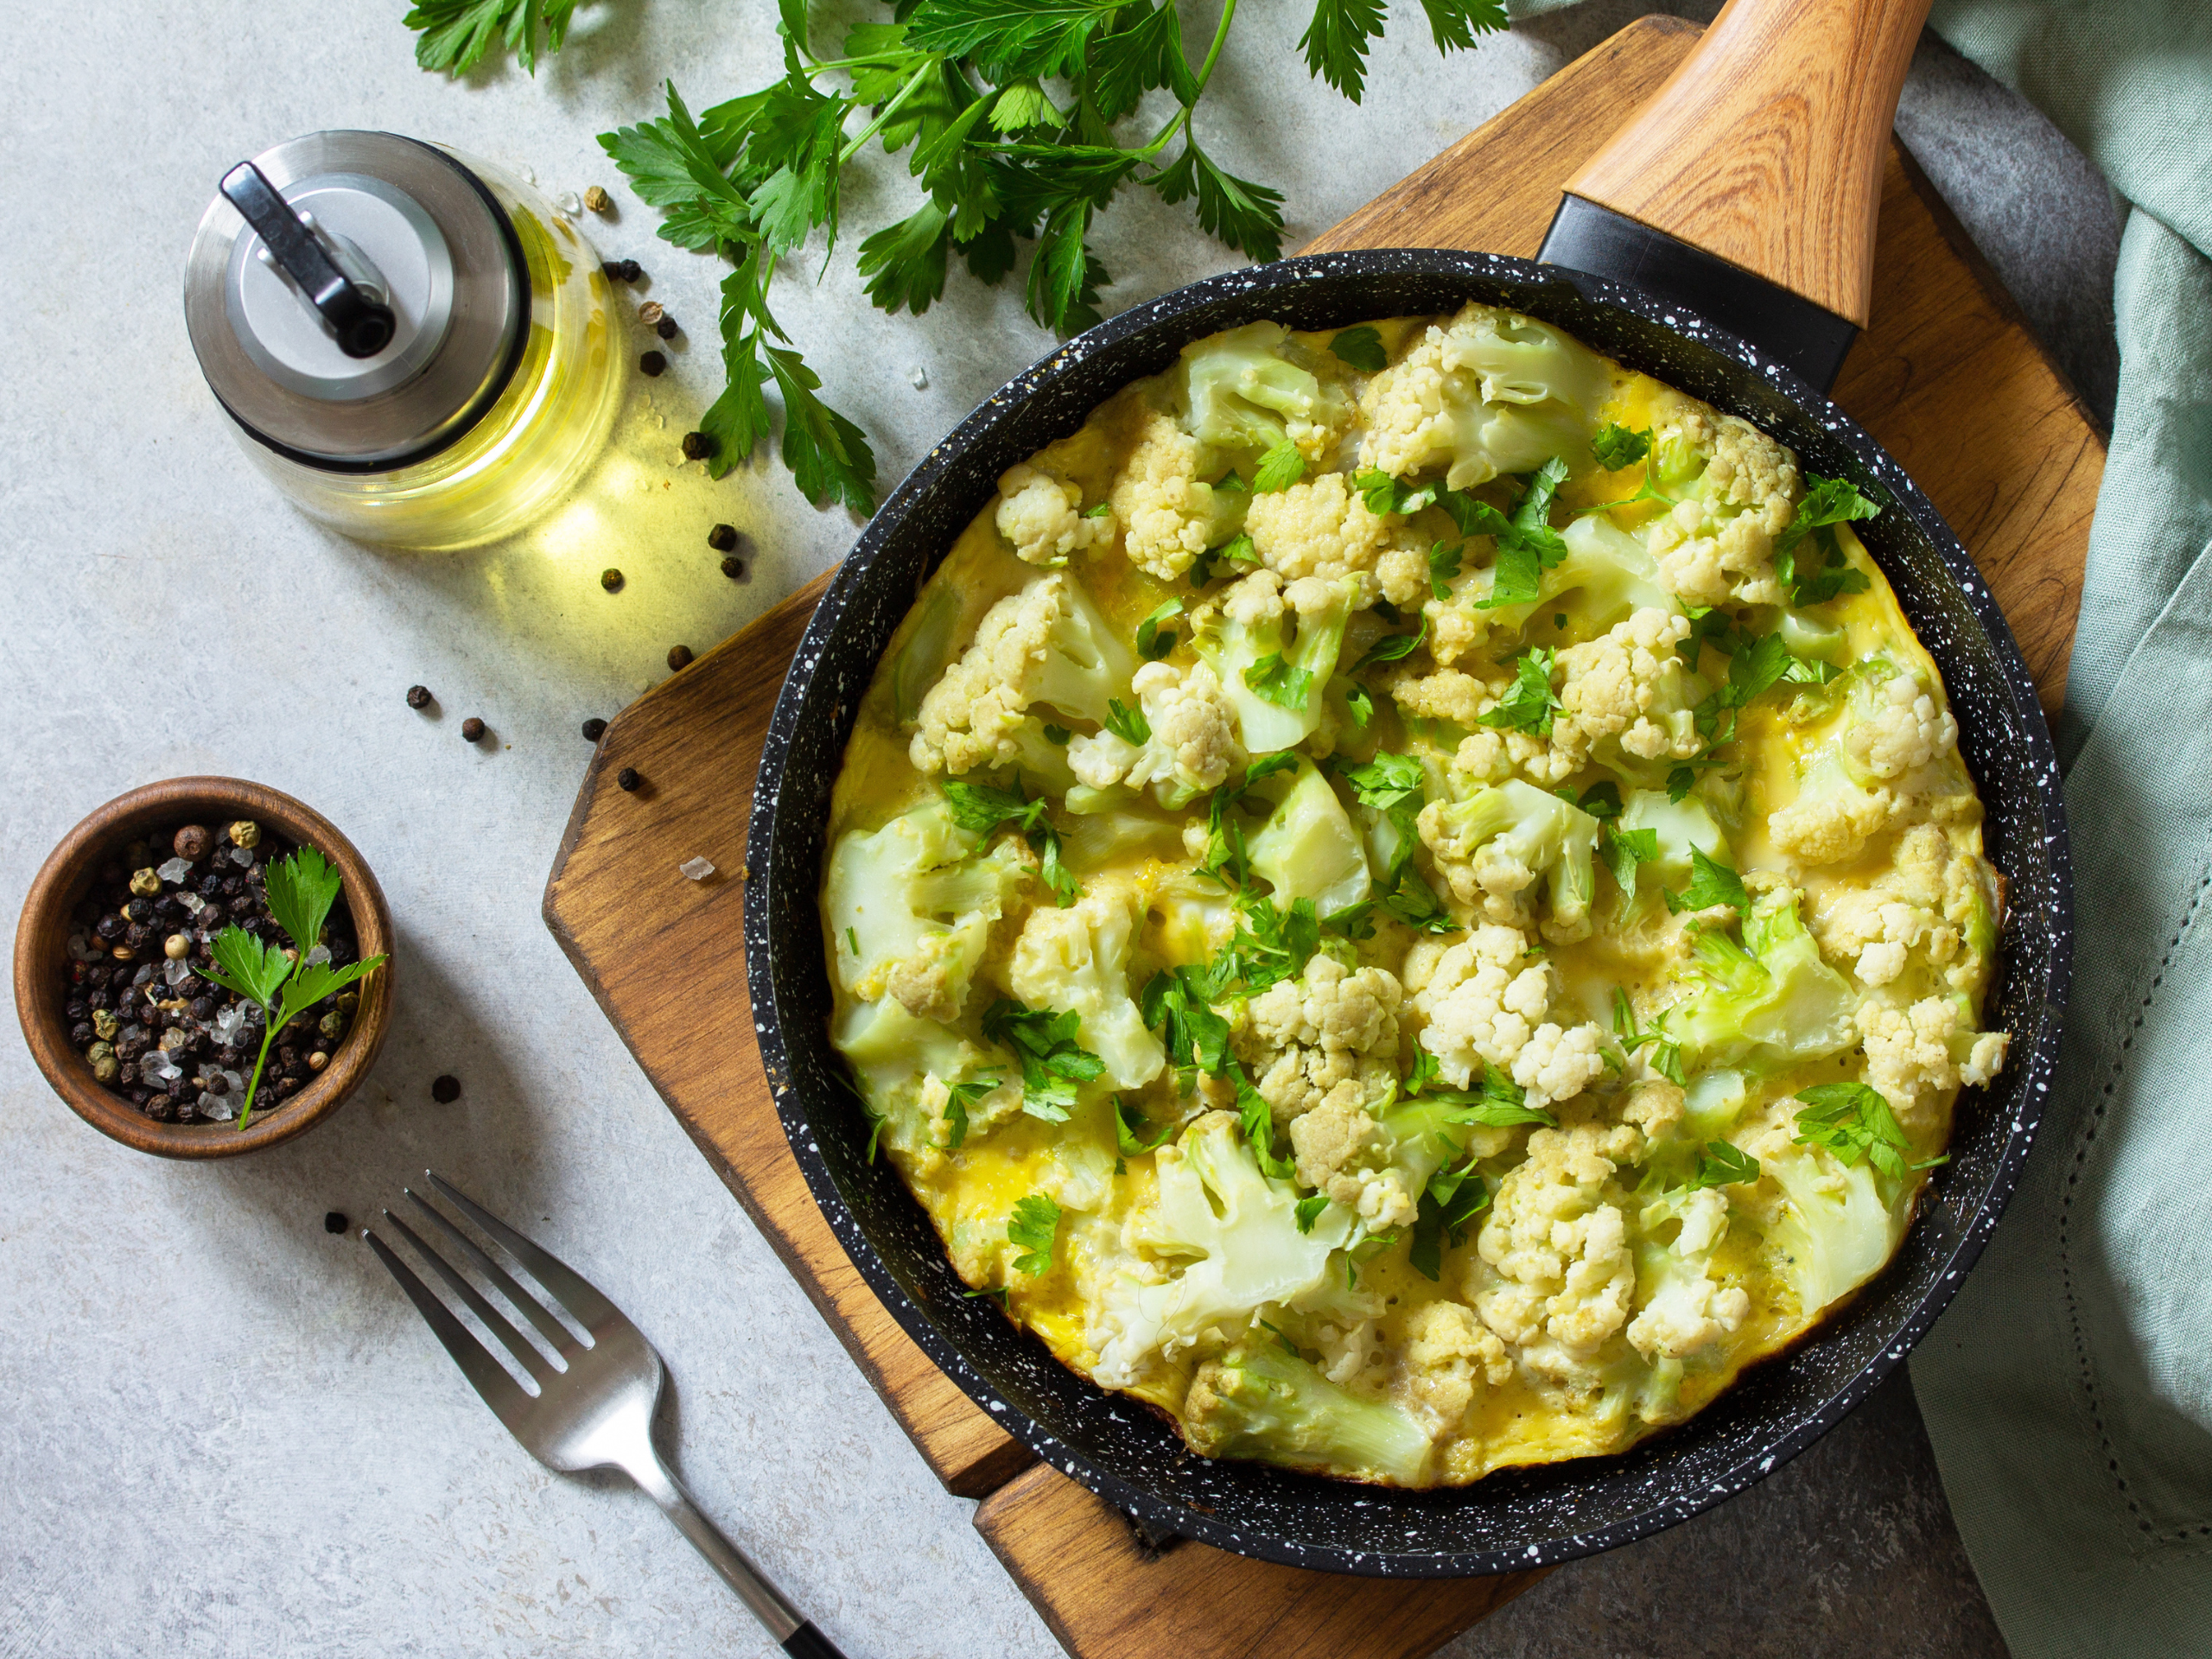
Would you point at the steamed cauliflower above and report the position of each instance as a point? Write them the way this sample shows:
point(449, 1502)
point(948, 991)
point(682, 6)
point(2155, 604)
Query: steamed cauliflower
point(1193, 743)
point(1169, 516)
point(1463, 699)
point(1629, 690)
point(1915, 1053)
point(1925, 899)
point(1448, 1354)
point(1560, 1270)
point(1906, 729)
point(1718, 546)
point(1046, 644)
point(1487, 1001)
point(1688, 1309)
point(1042, 517)
point(1319, 527)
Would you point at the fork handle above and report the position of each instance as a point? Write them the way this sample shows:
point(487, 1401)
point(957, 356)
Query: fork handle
point(799, 1636)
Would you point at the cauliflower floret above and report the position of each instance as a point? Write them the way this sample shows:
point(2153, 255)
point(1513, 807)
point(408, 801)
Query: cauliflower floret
point(1832, 825)
point(1908, 1050)
point(1987, 1059)
point(1402, 569)
point(1655, 1107)
point(1490, 848)
point(1490, 392)
point(1688, 1309)
point(1046, 644)
point(1076, 960)
point(1319, 527)
point(1904, 730)
point(1483, 1006)
point(1330, 1035)
point(1557, 1253)
point(1920, 900)
point(1629, 686)
point(1042, 516)
point(1447, 1352)
point(1453, 695)
point(1717, 545)
point(1193, 743)
point(1170, 517)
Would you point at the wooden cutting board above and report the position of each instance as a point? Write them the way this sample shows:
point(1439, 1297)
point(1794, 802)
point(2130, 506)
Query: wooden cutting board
point(1947, 377)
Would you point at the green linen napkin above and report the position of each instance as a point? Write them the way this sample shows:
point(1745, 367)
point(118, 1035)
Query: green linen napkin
point(2068, 1390)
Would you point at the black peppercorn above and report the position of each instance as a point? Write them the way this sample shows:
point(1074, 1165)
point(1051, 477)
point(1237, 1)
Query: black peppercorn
point(665, 328)
point(734, 568)
point(210, 885)
point(81, 1034)
point(722, 537)
point(611, 579)
point(595, 728)
point(75, 1008)
point(110, 927)
point(627, 778)
point(699, 445)
point(140, 910)
point(334, 1222)
point(651, 364)
point(446, 1088)
point(680, 656)
point(623, 270)
point(418, 696)
point(472, 730)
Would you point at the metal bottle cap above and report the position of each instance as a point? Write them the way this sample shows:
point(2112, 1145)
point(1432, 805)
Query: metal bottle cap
point(356, 299)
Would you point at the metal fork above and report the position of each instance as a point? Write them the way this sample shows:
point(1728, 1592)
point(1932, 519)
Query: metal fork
point(592, 1410)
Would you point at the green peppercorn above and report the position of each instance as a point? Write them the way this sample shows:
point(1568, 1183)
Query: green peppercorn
point(145, 883)
point(332, 1025)
point(106, 1024)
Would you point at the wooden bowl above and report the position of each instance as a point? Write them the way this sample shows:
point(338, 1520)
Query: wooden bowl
point(42, 934)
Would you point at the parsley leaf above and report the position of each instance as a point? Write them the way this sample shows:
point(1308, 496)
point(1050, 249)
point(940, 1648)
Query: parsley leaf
point(1394, 647)
point(1309, 1210)
point(456, 33)
point(1257, 1120)
point(1854, 1122)
point(1053, 1064)
point(1133, 1134)
point(1360, 348)
point(1127, 724)
point(958, 1097)
point(1279, 468)
point(1454, 1197)
point(1529, 705)
point(1500, 1103)
point(1387, 782)
point(1032, 1229)
point(1153, 642)
point(301, 889)
point(1711, 884)
point(1666, 1057)
point(1720, 1163)
point(1274, 678)
point(1616, 447)
point(1238, 550)
point(1444, 563)
point(1176, 1003)
point(981, 808)
point(1622, 850)
point(1384, 494)
point(1359, 701)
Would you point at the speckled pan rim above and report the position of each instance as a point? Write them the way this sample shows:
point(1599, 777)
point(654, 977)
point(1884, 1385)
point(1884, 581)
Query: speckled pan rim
point(2031, 1065)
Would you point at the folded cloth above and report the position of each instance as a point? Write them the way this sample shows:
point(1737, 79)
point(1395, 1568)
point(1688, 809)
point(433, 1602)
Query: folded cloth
point(2068, 1391)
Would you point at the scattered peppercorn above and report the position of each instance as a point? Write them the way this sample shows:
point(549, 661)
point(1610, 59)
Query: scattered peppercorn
point(722, 537)
point(334, 1222)
point(651, 364)
point(611, 579)
point(244, 833)
point(622, 270)
point(176, 947)
point(595, 728)
point(627, 778)
point(472, 729)
point(599, 201)
point(649, 313)
point(734, 568)
point(700, 446)
point(418, 696)
point(665, 328)
point(191, 843)
point(145, 883)
point(445, 1089)
point(680, 656)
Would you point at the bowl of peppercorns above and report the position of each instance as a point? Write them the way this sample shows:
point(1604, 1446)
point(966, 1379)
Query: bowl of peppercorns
point(201, 968)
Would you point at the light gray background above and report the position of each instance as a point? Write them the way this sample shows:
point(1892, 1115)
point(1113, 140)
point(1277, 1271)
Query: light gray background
point(223, 1431)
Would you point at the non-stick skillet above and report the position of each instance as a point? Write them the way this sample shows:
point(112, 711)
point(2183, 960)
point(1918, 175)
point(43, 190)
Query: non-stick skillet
point(1721, 243)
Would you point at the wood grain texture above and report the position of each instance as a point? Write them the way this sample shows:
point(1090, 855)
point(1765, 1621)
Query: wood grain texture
point(1106, 1596)
point(1765, 145)
point(42, 932)
point(1947, 377)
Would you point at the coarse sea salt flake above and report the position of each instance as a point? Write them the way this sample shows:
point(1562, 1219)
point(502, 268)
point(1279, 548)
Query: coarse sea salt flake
point(241, 857)
point(192, 902)
point(177, 972)
point(229, 1023)
point(698, 869)
point(175, 870)
point(319, 957)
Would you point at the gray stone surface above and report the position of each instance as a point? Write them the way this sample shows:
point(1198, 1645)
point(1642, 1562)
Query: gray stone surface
point(225, 1432)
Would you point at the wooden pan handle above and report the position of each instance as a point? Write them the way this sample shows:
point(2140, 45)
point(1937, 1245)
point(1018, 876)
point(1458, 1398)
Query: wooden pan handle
point(1765, 147)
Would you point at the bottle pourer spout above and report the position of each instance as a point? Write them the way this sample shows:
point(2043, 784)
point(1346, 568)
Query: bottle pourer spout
point(362, 325)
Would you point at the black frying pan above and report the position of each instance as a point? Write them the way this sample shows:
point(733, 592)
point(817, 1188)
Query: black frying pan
point(1517, 1518)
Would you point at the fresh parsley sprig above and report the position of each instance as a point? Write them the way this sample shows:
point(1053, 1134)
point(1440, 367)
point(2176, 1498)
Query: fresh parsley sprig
point(1855, 1123)
point(1054, 1063)
point(1011, 115)
point(981, 808)
point(1032, 1229)
point(1666, 1055)
point(301, 890)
